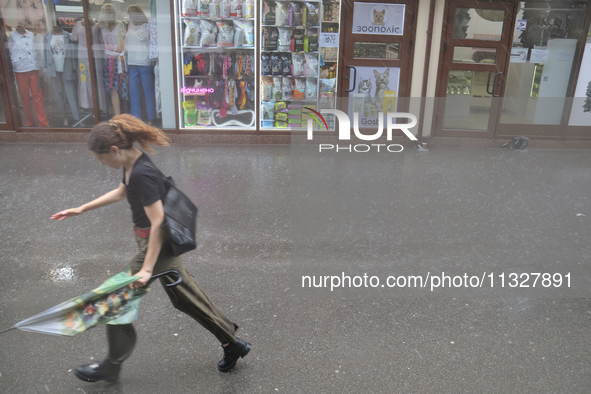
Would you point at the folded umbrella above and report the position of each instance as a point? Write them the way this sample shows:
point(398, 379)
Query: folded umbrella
point(112, 302)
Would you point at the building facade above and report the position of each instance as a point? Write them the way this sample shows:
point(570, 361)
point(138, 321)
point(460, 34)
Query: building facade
point(254, 70)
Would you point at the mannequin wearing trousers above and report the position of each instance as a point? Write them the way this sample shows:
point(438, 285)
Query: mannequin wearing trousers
point(59, 61)
point(25, 63)
point(137, 46)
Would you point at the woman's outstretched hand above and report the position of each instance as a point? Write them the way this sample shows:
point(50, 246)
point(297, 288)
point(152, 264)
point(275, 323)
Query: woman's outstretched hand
point(67, 213)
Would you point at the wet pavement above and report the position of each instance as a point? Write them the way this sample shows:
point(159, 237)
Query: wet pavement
point(302, 343)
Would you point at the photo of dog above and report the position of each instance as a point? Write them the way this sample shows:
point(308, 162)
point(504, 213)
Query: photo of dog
point(378, 17)
point(381, 86)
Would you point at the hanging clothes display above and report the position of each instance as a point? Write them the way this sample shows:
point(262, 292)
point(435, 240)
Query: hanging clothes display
point(153, 28)
point(115, 67)
point(84, 81)
point(59, 63)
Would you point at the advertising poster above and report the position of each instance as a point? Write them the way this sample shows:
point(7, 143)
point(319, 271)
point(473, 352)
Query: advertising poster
point(376, 91)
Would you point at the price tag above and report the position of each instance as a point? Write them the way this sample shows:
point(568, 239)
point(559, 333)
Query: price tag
point(329, 40)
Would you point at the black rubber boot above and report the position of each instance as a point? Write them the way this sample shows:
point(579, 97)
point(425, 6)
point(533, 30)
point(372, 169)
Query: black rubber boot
point(122, 339)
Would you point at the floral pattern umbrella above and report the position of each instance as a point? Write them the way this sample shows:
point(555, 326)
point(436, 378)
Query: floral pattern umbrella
point(112, 302)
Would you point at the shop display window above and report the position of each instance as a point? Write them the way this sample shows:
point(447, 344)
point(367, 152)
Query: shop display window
point(47, 46)
point(217, 63)
point(297, 74)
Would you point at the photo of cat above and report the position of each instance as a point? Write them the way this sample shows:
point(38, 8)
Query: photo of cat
point(381, 86)
point(378, 17)
point(365, 89)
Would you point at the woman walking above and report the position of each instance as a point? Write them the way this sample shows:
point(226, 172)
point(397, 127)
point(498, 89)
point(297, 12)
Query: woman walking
point(112, 143)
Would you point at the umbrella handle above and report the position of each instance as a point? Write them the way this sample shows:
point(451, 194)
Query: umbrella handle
point(175, 272)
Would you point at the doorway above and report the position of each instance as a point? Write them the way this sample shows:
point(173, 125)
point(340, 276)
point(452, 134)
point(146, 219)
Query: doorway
point(507, 67)
point(377, 57)
point(472, 73)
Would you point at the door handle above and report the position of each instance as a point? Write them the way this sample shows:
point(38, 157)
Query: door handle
point(495, 84)
point(354, 79)
point(488, 85)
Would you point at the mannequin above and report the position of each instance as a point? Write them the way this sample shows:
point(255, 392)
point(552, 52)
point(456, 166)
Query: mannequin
point(26, 61)
point(84, 81)
point(59, 65)
point(137, 44)
point(112, 36)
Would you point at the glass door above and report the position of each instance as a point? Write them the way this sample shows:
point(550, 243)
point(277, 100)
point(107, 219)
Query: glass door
point(377, 57)
point(472, 73)
point(545, 51)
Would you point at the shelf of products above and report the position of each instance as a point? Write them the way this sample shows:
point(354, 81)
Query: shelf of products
point(294, 74)
point(217, 63)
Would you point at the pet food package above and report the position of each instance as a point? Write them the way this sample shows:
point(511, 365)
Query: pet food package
point(267, 89)
point(299, 90)
point(311, 65)
point(203, 8)
point(189, 8)
point(310, 88)
point(277, 88)
point(311, 40)
point(280, 106)
point(282, 14)
point(286, 63)
point(270, 38)
point(208, 33)
point(269, 12)
point(191, 33)
point(288, 89)
point(236, 9)
point(265, 64)
point(327, 91)
point(190, 111)
point(297, 66)
point(215, 8)
point(295, 14)
point(310, 15)
point(282, 116)
point(248, 11)
point(225, 8)
point(284, 43)
point(225, 34)
point(276, 64)
point(297, 42)
point(268, 111)
point(243, 33)
point(204, 118)
point(281, 125)
point(327, 85)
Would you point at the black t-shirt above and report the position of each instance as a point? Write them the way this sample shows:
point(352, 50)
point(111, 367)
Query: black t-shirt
point(145, 188)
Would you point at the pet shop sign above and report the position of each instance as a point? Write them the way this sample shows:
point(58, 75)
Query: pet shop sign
point(379, 18)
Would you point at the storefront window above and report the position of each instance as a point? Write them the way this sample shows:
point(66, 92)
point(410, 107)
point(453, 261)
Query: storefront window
point(298, 61)
point(543, 53)
point(52, 68)
point(129, 76)
point(217, 63)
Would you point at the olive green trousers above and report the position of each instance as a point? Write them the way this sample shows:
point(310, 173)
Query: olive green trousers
point(186, 296)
